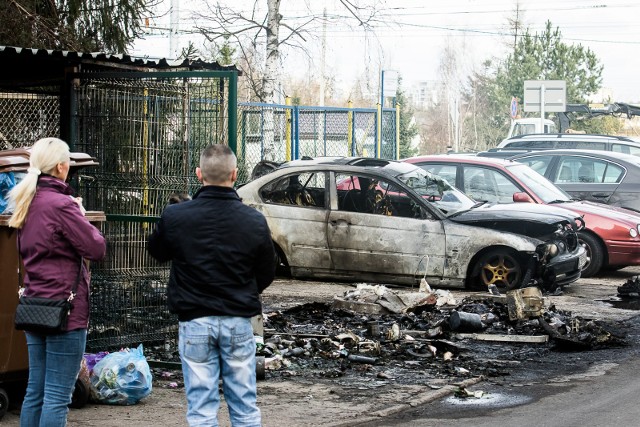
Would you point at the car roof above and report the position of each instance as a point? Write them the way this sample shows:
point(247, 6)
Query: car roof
point(390, 167)
point(468, 158)
point(607, 155)
point(578, 136)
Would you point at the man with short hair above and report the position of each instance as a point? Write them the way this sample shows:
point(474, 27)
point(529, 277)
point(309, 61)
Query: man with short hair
point(222, 258)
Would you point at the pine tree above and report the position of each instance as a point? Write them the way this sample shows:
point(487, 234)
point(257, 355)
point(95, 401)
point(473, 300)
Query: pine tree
point(408, 128)
point(80, 25)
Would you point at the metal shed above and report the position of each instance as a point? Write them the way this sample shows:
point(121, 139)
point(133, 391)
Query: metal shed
point(145, 121)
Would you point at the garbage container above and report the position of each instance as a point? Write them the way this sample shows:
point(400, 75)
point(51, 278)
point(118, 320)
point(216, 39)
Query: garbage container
point(14, 360)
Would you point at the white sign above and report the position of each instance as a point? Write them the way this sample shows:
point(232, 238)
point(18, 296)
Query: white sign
point(547, 96)
point(390, 83)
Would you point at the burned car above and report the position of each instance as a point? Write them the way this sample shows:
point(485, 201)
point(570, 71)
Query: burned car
point(375, 220)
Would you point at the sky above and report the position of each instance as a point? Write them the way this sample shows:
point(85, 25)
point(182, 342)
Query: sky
point(409, 36)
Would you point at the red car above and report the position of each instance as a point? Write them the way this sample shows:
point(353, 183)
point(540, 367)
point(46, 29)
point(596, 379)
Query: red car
point(610, 236)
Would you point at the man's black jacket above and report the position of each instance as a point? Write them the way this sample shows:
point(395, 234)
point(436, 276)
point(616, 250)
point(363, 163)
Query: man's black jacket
point(221, 252)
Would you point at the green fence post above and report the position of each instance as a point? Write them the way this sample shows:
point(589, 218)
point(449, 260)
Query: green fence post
point(233, 112)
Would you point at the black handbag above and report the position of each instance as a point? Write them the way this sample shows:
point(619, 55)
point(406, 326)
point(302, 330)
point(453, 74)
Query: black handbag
point(45, 315)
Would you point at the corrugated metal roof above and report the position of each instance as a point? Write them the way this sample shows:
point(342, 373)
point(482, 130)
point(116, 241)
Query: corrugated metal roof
point(43, 70)
point(8, 53)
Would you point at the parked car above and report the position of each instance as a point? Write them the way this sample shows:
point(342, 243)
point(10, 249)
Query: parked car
point(573, 141)
point(598, 176)
point(610, 236)
point(362, 219)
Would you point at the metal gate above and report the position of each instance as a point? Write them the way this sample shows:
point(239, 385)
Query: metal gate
point(147, 131)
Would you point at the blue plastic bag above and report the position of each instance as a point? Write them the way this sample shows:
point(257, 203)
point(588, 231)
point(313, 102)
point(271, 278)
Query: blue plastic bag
point(121, 378)
point(7, 182)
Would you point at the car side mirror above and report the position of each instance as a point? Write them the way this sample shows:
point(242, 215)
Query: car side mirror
point(522, 197)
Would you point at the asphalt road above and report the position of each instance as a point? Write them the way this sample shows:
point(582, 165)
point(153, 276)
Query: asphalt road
point(607, 396)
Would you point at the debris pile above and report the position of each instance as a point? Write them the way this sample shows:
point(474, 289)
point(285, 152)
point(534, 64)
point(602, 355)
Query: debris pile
point(631, 288)
point(386, 334)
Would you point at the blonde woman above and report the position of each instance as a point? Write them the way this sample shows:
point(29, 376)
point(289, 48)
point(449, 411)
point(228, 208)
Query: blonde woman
point(53, 236)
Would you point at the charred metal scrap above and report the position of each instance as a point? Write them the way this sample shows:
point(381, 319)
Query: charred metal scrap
point(410, 334)
point(631, 288)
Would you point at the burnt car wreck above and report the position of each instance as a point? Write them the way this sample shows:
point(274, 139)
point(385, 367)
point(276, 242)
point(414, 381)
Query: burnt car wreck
point(551, 265)
point(382, 221)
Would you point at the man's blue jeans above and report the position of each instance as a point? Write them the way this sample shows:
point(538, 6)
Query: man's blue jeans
point(54, 363)
point(216, 346)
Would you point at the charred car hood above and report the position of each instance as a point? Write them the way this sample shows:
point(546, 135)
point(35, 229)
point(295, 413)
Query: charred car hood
point(520, 218)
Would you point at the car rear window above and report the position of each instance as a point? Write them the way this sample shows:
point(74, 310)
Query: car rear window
point(627, 149)
point(585, 145)
point(531, 144)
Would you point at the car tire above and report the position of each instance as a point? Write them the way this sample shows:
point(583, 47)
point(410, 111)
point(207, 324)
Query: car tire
point(282, 266)
point(4, 403)
point(500, 267)
point(595, 254)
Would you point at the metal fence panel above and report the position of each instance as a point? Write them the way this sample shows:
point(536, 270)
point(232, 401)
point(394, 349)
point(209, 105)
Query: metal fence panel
point(25, 118)
point(264, 133)
point(282, 132)
point(147, 134)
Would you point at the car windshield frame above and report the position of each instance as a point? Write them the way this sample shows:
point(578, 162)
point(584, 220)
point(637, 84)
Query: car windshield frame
point(538, 184)
point(436, 191)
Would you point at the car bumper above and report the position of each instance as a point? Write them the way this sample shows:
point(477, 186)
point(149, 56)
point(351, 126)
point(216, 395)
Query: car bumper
point(623, 252)
point(565, 269)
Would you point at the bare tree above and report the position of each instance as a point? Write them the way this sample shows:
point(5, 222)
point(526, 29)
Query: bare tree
point(268, 30)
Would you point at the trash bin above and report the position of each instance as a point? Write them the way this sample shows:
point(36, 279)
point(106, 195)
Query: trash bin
point(14, 360)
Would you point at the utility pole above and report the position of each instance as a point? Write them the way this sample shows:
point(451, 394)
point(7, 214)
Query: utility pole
point(323, 55)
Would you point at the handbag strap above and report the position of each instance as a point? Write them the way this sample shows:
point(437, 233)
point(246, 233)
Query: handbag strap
point(74, 288)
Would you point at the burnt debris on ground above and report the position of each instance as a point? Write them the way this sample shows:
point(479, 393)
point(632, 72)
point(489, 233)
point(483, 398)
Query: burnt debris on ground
point(385, 335)
point(631, 288)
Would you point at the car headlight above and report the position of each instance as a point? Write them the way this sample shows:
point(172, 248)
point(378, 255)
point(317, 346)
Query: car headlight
point(552, 250)
point(633, 232)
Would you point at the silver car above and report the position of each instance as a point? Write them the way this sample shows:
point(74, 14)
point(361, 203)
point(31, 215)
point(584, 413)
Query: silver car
point(362, 219)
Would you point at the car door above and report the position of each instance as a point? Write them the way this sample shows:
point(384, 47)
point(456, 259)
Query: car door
point(376, 228)
point(296, 208)
point(588, 178)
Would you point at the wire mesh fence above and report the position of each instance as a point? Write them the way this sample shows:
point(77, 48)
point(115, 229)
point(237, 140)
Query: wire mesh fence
point(147, 135)
point(282, 132)
point(264, 133)
point(25, 118)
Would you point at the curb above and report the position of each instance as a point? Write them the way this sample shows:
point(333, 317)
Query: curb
point(420, 400)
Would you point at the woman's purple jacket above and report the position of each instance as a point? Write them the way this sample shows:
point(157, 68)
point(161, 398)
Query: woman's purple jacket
point(53, 238)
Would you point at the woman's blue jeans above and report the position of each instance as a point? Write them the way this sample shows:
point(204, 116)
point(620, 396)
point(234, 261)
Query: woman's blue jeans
point(216, 346)
point(54, 363)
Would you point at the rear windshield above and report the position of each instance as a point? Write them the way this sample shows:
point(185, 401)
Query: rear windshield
point(530, 144)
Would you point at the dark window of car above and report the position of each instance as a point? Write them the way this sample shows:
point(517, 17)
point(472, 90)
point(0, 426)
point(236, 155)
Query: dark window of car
point(371, 195)
point(588, 170)
point(483, 184)
point(627, 149)
point(585, 145)
point(304, 189)
point(539, 164)
point(447, 172)
point(531, 144)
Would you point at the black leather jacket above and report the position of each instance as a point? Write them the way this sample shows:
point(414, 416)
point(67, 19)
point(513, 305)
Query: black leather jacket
point(221, 252)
